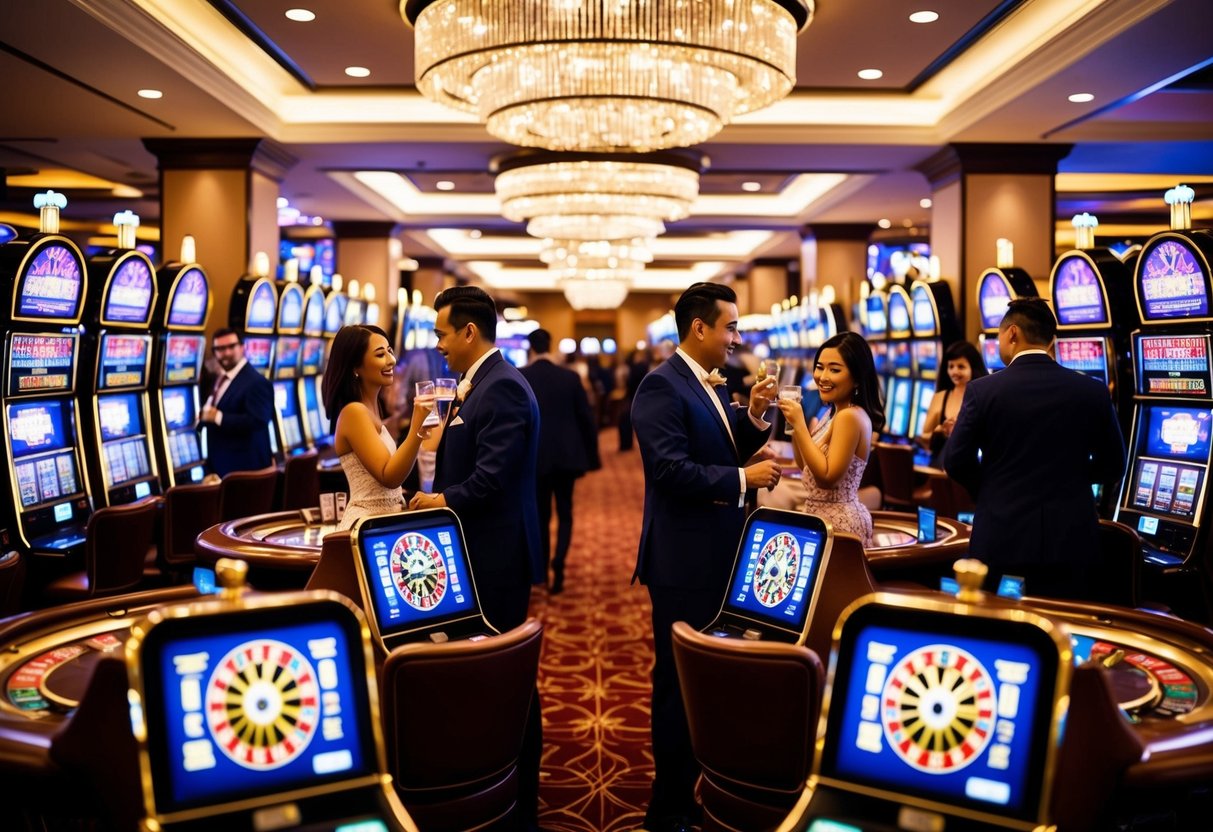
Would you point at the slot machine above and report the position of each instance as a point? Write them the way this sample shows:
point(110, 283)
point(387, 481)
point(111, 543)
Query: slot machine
point(1092, 291)
point(1164, 491)
point(311, 366)
point(254, 312)
point(181, 314)
point(334, 314)
point(49, 496)
point(876, 329)
point(934, 325)
point(996, 288)
point(115, 408)
point(900, 386)
point(354, 307)
point(285, 370)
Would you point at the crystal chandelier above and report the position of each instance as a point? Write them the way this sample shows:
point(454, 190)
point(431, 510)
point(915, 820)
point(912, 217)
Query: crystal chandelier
point(597, 196)
point(623, 256)
point(602, 75)
point(595, 292)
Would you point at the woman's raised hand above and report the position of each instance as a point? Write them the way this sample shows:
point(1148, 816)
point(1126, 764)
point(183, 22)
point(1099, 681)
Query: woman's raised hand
point(792, 412)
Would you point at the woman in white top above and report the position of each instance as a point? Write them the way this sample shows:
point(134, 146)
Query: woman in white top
point(360, 368)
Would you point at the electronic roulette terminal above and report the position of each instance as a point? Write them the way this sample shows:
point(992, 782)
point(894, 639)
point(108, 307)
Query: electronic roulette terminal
point(281, 548)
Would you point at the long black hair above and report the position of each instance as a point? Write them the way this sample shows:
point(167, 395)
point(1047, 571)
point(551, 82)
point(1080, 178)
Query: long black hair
point(956, 351)
point(340, 385)
point(857, 355)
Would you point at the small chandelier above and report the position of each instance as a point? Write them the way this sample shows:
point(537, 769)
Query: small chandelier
point(597, 196)
point(601, 292)
point(605, 75)
point(616, 255)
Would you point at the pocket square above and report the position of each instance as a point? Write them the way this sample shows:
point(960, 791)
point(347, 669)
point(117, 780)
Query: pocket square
point(458, 420)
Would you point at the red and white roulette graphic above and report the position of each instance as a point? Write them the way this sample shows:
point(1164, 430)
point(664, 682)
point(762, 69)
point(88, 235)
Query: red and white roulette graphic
point(776, 569)
point(418, 571)
point(938, 708)
point(263, 704)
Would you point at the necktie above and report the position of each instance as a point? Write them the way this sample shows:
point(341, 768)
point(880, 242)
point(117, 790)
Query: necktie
point(220, 387)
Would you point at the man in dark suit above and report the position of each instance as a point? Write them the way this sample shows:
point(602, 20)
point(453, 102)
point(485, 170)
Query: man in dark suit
point(239, 410)
point(568, 447)
point(694, 446)
point(486, 474)
point(1044, 435)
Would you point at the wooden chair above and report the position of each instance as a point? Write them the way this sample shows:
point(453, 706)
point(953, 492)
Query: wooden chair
point(454, 716)
point(301, 482)
point(117, 540)
point(750, 778)
point(247, 493)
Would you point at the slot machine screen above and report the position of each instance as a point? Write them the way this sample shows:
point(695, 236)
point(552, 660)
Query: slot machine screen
point(416, 573)
point(926, 358)
point(290, 307)
point(259, 352)
point(219, 730)
point(128, 298)
point(923, 394)
point(334, 313)
point(312, 360)
point(1172, 460)
point(51, 285)
point(262, 308)
point(40, 362)
point(286, 362)
point(990, 354)
point(880, 356)
point(1084, 355)
point(899, 315)
point(878, 321)
point(286, 401)
point(178, 408)
point(1173, 365)
point(954, 710)
point(899, 406)
point(924, 313)
point(1171, 282)
point(190, 300)
point(123, 447)
point(901, 360)
point(312, 409)
point(1078, 293)
point(182, 358)
point(41, 436)
point(776, 573)
point(993, 297)
point(313, 313)
point(123, 360)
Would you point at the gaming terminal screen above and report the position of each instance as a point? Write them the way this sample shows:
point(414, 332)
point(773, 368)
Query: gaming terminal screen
point(776, 572)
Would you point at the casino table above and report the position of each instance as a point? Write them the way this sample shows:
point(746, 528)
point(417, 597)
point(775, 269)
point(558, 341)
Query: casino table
point(46, 664)
point(281, 549)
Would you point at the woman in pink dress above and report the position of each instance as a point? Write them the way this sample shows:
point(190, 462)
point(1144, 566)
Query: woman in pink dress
point(833, 457)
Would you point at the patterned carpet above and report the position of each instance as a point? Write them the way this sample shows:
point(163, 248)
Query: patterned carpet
point(597, 656)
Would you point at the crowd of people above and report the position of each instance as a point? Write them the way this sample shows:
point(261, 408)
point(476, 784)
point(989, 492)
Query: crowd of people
point(515, 441)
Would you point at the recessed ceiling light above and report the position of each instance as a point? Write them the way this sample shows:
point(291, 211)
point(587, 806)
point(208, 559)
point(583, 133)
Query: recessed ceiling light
point(300, 15)
point(870, 74)
point(283, 202)
point(150, 94)
point(444, 185)
point(925, 202)
point(924, 17)
point(1082, 97)
point(751, 187)
point(357, 71)
point(907, 223)
point(475, 233)
point(883, 223)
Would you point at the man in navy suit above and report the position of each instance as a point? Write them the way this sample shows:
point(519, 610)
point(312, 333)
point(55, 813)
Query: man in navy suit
point(486, 474)
point(695, 447)
point(568, 446)
point(238, 412)
point(1029, 442)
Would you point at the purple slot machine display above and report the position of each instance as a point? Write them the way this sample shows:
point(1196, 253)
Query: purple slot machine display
point(996, 288)
point(900, 385)
point(49, 496)
point(180, 349)
point(254, 311)
point(934, 325)
point(1092, 291)
point(115, 410)
point(288, 415)
point(311, 367)
point(874, 321)
point(1163, 495)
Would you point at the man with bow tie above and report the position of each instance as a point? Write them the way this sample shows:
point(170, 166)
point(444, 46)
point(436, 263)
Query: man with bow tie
point(486, 473)
point(695, 448)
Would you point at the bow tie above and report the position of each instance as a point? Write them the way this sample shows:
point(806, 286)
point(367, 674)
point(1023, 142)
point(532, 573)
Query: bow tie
point(714, 379)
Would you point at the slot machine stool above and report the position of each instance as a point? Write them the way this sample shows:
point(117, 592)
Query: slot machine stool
point(753, 771)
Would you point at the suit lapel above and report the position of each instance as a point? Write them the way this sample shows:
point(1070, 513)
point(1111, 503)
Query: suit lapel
point(698, 390)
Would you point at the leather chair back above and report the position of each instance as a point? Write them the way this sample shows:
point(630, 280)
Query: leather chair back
point(189, 510)
point(301, 482)
point(1117, 578)
point(750, 778)
point(896, 474)
point(12, 582)
point(116, 543)
point(847, 578)
point(453, 717)
point(247, 493)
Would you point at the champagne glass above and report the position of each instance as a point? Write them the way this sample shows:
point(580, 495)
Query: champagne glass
point(426, 395)
point(790, 392)
point(767, 368)
point(445, 390)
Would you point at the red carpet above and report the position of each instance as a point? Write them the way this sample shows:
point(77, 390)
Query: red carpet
point(597, 656)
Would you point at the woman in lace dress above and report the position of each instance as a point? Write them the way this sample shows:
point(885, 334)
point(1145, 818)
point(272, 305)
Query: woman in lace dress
point(360, 368)
point(834, 456)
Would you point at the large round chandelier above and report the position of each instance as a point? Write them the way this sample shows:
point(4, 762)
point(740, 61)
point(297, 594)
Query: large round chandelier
point(597, 196)
point(603, 75)
point(623, 256)
point(604, 292)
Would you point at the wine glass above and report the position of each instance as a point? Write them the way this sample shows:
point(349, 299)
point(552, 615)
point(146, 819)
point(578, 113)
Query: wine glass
point(445, 390)
point(767, 368)
point(790, 392)
point(426, 395)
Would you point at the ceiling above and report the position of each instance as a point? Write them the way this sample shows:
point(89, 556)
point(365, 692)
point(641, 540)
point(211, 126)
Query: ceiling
point(838, 150)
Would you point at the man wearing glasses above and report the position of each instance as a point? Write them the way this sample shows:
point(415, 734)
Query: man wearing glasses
point(238, 411)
